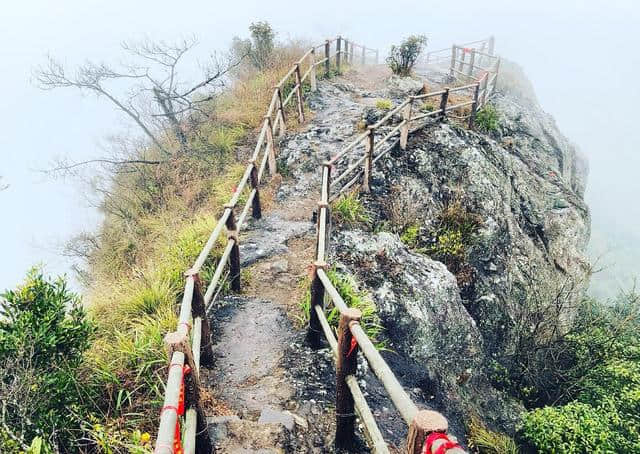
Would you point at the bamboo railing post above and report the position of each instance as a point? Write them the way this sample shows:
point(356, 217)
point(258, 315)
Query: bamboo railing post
point(364, 56)
point(338, 45)
point(314, 332)
point(453, 61)
point(495, 80)
point(462, 59)
point(404, 131)
point(376, 56)
point(368, 162)
point(234, 258)
point(346, 50)
point(256, 210)
point(271, 148)
point(312, 71)
point(424, 423)
point(299, 94)
point(327, 55)
point(198, 309)
point(179, 342)
point(471, 63)
point(492, 43)
point(347, 364)
point(474, 106)
point(281, 119)
point(443, 103)
point(351, 54)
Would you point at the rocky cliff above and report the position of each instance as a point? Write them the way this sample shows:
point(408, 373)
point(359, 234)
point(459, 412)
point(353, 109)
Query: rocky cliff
point(452, 317)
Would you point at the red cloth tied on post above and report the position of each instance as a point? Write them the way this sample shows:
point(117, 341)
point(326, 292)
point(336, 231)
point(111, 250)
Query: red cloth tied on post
point(442, 449)
point(177, 439)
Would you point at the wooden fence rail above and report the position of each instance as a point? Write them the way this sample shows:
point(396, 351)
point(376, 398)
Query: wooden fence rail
point(182, 418)
point(377, 141)
point(189, 346)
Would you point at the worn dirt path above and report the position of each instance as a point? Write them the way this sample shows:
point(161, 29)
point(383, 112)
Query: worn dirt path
point(276, 393)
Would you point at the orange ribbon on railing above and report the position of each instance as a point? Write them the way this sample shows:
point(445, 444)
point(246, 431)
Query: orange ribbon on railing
point(177, 436)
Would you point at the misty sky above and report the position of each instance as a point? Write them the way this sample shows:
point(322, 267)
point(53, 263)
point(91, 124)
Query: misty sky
point(581, 57)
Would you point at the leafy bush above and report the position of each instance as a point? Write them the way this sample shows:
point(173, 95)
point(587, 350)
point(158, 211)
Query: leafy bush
point(595, 383)
point(403, 57)
point(44, 333)
point(487, 119)
point(259, 48)
point(410, 235)
point(384, 104)
point(455, 232)
point(349, 211)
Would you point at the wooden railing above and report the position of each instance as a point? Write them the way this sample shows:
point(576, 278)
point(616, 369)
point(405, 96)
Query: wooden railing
point(374, 143)
point(440, 56)
point(182, 416)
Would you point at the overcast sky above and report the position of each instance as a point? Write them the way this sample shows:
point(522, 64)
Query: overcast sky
point(581, 56)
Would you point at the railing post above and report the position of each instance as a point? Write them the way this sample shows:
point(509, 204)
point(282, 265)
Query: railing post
point(327, 55)
point(462, 59)
point(453, 61)
point(256, 210)
point(347, 364)
point(234, 258)
point(351, 54)
point(474, 106)
point(299, 94)
point(198, 309)
point(424, 423)
point(471, 63)
point(406, 117)
point(338, 55)
point(443, 103)
point(312, 71)
point(368, 162)
point(314, 332)
point(484, 81)
point(376, 56)
point(495, 80)
point(271, 147)
point(281, 119)
point(346, 50)
point(364, 56)
point(179, 342)
point(492, 43)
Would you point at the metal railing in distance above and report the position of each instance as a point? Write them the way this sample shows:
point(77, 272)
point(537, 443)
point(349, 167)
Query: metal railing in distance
point(190, 345)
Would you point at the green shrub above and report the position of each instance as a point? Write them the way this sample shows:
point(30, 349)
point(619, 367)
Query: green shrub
point(384, 104)
point(487, 119)
point(577, 428)
point(410, 236)
point(348, 210)
point(402, 57)
point(427, 107)
point(44, 333)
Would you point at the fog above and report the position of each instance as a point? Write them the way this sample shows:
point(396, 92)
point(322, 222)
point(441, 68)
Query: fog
point(580, 57)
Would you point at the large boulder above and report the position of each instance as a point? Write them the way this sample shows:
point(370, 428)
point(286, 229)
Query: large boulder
point(419, 304)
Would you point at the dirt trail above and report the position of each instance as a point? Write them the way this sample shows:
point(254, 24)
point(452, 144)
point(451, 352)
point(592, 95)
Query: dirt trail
point(277, 391)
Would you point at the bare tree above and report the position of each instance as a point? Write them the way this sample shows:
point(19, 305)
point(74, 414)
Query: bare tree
point(148, 90)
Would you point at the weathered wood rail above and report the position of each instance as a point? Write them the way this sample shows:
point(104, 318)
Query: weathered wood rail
point(182, 419)
point(379, 138)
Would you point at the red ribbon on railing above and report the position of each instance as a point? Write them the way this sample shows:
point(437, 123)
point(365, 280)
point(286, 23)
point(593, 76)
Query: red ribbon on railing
point(443, 448)
point(352, 347)
point(177, 436)
point(466, 50)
